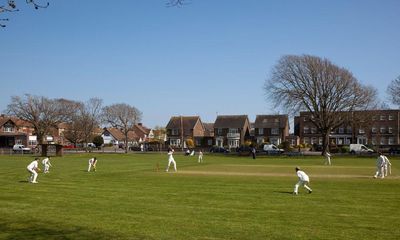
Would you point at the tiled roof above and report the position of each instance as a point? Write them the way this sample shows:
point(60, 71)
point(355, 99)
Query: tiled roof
point(119, 135)
point(271, 121)
point(230, 121)
point(188, 122)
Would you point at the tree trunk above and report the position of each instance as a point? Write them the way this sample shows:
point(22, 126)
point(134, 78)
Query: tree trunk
point(325, 141)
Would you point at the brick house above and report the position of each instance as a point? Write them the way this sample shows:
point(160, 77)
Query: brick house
point(181, 128)
point(373, 127)
point(231, 130)
point(271, 128)
point(16, 131)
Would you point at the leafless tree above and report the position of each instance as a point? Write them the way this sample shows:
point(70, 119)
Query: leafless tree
point(11, 6)
point(123, 117)
point(43, 113)
point(309, 83)
point(393, 91)
point(84, 121)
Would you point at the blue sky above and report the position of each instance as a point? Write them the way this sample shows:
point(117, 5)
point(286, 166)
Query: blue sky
point(208, 57)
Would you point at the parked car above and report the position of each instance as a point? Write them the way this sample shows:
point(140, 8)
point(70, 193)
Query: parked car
point(394, 150)
point(91, 145)
point(360, 148)
point(272, 149)
point(219, 150)
point(21, 148)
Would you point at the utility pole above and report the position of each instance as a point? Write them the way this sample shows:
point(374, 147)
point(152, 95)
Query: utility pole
point(182, 132)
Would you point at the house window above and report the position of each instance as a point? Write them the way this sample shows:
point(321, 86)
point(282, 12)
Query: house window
point(233, 130)
point(198, 142)
point(233, 143)
point(174, 132)
point(209, 142)
point(391, 117)
point(314, 140)
point(390, 141)
point(261, 131)
point(175, 142)
point(383, 141)
point(275, 131)
point(306, 130)
point(341, 130)
point(306, 140)
point(382, 117)
point(219, 131)
point(276, 120)
point(313, 130)
point(320, 140)
point(18, 141)
point(390, 130)
point(373, 141)
point(349, 130)
point(361, 131)
point(374, 130)
point(383, 129)
point(374, 118)
point(8, 128)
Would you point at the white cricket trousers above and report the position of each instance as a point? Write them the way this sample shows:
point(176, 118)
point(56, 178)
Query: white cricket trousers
point(380, 171)
point(33, 176)
point(327, 160)
point(46, 168)
point(301, 183)
point(200, 159)
point(169, 164)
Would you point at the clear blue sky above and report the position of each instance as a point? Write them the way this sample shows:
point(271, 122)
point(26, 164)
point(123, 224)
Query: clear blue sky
point(208, 57)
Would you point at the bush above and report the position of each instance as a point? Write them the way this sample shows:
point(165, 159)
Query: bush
point(98, 141)
point(190, 143)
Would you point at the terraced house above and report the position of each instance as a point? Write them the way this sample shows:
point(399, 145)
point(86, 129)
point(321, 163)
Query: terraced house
point(373, 127)
point(271, 128)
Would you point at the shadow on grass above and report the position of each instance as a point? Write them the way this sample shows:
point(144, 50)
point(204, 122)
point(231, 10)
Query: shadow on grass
point(283, 192)
point(40, 230)
point(23, 181)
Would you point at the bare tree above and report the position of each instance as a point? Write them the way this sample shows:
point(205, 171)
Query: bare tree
point(43, 113)
point(123, 117)
point(393, 91)
point(328, 92)
point(11, 6)
point(84, 121)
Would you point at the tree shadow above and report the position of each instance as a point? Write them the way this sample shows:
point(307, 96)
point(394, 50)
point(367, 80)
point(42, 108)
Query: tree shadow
point(23, 181)
point(49, 231)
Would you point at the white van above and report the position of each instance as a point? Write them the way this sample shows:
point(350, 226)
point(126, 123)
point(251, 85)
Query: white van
point(21, 148)
point(360, 148)
point(272, 149)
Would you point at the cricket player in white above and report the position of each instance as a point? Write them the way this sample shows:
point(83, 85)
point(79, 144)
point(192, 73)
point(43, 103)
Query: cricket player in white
point(92, 163)
point(304, 180)
point(33, 168)
point(200, 156)
point(171, 159)
point(46, 163)
point(327, 158)
point(387, 168)
point(380, 166)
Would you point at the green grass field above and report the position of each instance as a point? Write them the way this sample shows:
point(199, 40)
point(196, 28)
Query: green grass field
point(223, 198)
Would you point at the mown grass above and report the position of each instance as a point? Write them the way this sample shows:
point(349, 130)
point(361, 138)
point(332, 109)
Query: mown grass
point(226, 197)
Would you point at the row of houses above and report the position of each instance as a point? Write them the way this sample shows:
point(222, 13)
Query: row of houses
point(377, 127)
point(229, 131)
point(380, 128)
point(16, 131)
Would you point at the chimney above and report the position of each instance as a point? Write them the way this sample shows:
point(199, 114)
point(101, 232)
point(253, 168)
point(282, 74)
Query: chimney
point(140, 124)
